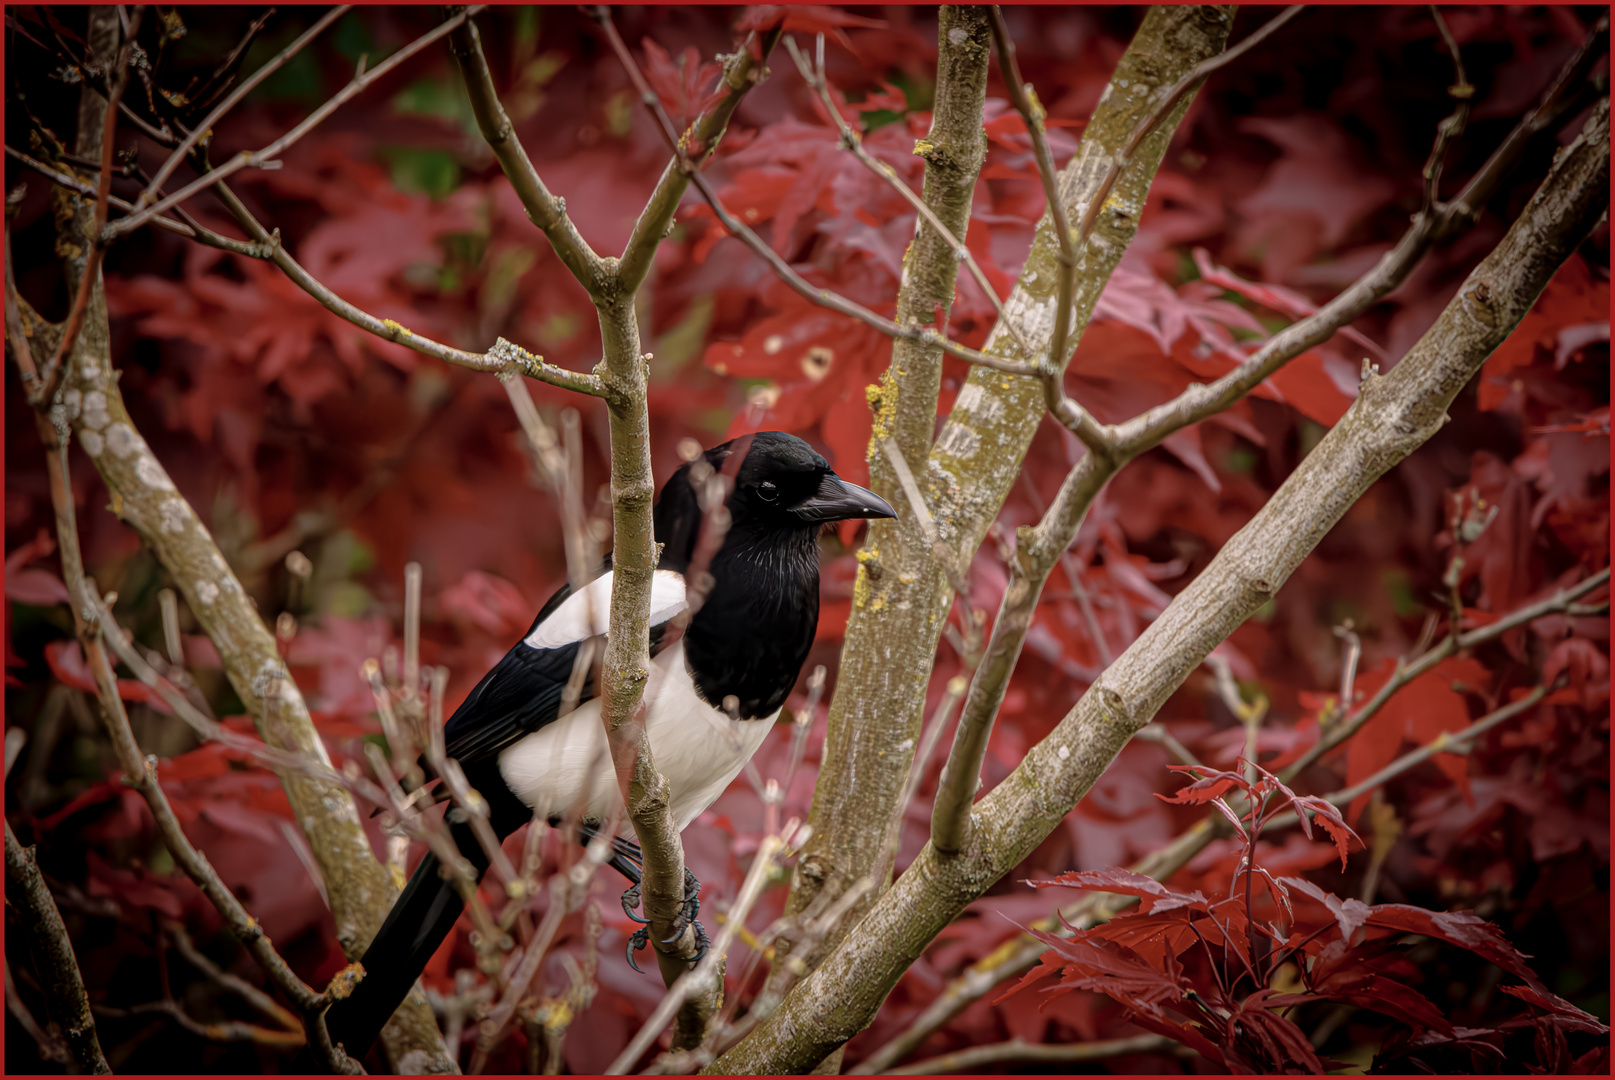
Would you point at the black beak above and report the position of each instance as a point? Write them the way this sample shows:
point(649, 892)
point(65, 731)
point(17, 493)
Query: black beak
point(837, 500)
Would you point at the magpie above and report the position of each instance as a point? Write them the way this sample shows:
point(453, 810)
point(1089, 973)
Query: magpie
point(713, 693)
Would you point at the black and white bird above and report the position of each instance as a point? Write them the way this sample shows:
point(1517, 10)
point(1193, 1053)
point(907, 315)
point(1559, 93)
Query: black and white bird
point(711, 699)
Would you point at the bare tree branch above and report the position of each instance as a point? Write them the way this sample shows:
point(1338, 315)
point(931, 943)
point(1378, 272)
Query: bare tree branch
point(1018, 1050)
point(901, 595)
point(1052, 369)
point(504, 356)
point(204, 127)
point(544, 209)
point(52, 952)
point(144, 495)
point(266, 157)
point(51, 373)
point(1406, 671)
point(1452, 126)
point(741, 72)
point(179, 228)
point(852, 142)
point(762, 866)
point(1038, 550)
point(1394, 414)
point(141, 771)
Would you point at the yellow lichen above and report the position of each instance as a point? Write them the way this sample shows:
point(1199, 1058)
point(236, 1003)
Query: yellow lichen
point(396, 328)
point(860, 587)
point(882, 397)
point(923, 147)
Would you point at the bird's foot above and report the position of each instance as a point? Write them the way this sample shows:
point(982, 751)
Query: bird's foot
point(630, 900)
point(688, 910)
point(686, 920)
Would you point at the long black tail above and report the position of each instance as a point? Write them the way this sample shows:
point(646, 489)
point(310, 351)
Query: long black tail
point(421, 918)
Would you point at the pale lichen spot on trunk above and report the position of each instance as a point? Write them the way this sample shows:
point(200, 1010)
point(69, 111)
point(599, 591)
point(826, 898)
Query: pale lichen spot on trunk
point(92, 442)
point(207, 592)
point(122, 440)
point(173, 516)
point(983, 407)
point(96, 416)
point(151, 473)
point(958, 441)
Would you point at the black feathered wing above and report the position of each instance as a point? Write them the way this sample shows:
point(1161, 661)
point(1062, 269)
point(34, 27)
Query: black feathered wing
point(518, 697)
point(523, 692)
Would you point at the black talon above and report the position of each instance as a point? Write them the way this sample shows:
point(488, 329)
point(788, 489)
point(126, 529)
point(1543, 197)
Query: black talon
point(637, 941)
point(628, 905)
point(701, 940)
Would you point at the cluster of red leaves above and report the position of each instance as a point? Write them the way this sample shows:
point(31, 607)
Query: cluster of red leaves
point(286, 426)
point(1221, 979)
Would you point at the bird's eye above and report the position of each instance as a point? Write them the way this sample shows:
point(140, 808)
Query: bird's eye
point(767, 492)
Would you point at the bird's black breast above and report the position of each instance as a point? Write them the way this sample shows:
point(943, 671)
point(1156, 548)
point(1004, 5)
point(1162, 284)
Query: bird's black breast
point(753, 632)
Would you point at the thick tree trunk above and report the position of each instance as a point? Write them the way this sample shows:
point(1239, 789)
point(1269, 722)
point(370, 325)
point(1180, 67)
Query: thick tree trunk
point(901, 595)
point(1393, 415)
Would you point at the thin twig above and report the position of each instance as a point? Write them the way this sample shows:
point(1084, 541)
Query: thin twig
point(219, 1031)
point(823, 297)
point(231, 981)
point(853, 143)
point(1051, 371)
point(1169, 100)
point(743, 69)
point(939, 548)
point(267, 156)
point(544, 209)
point(951, 696)
point(1202, 400)
point(179, 228)
point(21, 353)
point(50, 375)
point(48, 1046)
point(204, 129)
point(1155, 732)
point(814, 927)
point(1407, 671)
point(1452, 126)
point(140, 771)
point(1059, 525)
point(209, 91)
point(1018, 1050)
point(1461, 741)
point(504, 356)
point(1020, 953)
point(568, 892)
point(52, 953)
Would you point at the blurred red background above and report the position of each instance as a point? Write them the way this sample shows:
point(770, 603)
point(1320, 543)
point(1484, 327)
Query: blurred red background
point(289, 429)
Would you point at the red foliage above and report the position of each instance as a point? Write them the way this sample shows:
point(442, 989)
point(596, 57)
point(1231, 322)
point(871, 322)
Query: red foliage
point(1211, 973)
point(286, 426)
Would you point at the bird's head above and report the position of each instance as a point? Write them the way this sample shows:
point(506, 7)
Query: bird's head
point(778, 484)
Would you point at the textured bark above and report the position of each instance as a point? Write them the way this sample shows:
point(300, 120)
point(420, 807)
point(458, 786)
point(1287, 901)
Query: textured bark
point(52, 953)
point(895, 554)
point(144, 496)
point(1393, 415)
point(901, 596)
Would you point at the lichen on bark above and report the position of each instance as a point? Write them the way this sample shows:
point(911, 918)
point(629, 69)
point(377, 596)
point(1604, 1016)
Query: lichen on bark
point(1393, 415)
point(903, 594)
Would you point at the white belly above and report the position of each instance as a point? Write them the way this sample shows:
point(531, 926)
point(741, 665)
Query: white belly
point(566, 766)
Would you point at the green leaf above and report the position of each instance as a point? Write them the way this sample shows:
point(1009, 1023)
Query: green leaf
point(434, 173)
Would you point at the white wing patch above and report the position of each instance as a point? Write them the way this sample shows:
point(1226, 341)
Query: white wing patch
point(565, 767)
point(587, 613)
